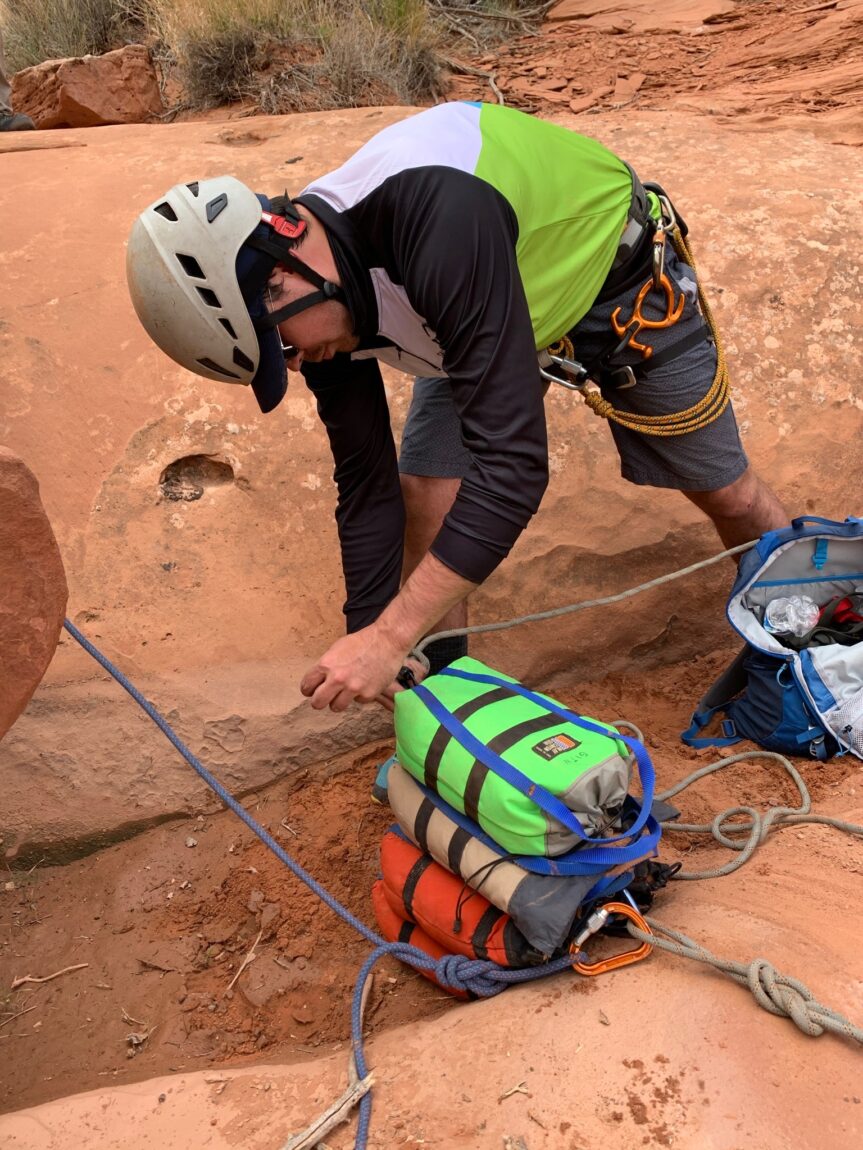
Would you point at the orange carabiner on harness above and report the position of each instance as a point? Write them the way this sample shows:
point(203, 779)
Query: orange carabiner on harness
point(628, 957)
point(638, 321)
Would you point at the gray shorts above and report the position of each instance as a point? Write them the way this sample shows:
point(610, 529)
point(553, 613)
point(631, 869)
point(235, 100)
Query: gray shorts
point(703, 460)
point(431, 441)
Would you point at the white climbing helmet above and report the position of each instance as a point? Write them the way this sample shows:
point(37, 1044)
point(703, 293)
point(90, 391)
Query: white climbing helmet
point(198, 262)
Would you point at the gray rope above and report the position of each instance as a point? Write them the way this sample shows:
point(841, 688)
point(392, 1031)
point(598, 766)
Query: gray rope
point(556, 612)
point(757, 825)
point(778, 993)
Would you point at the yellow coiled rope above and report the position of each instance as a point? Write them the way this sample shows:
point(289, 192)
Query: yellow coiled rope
point(709, 408)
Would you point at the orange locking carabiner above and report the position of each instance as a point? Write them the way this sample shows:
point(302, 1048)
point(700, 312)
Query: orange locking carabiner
point(628, 957)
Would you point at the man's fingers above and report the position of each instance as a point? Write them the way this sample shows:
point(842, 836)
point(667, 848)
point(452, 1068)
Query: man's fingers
point(341, 700)
point(419, 669)
point(332, 693)
point(311, 681)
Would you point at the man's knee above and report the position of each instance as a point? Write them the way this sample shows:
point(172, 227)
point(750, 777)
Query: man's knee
point(743, 510)
point(732, 501)
point(427, 500)
point(427, 497)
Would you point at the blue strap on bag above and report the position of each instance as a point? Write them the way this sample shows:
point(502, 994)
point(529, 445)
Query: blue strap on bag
point(600, 851)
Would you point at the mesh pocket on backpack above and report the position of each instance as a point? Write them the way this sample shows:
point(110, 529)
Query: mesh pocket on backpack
point(847, 722)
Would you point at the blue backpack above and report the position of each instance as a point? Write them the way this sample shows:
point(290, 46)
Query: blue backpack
point(800, 702)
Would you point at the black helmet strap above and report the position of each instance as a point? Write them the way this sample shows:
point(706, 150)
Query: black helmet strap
point(281, 248)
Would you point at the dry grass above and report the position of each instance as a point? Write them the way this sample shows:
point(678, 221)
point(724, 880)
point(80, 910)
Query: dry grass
point(276, 55)
point(37, 30)
point(309, 54)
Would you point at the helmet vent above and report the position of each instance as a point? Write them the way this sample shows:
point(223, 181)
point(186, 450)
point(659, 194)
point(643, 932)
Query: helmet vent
point(209, 297)
point(210, 365)
point(191, 266)
point(214, 207)
point(228, 326)
point(193, 188)
point(242, 360)
point(166, 210)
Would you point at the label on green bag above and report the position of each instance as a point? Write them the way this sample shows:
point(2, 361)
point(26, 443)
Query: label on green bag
point(556, 745)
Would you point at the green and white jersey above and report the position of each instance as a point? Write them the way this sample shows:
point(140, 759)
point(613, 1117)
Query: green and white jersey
point(467, 237)
point(570, 195)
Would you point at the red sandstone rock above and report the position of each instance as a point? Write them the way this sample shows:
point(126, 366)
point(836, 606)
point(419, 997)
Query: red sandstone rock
point(33, 601)
point(638, 15)
point(118, 88)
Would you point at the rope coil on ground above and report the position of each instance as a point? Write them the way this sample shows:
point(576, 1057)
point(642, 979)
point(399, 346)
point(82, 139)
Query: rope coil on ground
point(758, 825)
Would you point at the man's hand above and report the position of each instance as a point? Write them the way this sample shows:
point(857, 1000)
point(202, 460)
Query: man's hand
point(419, 671)
point(361, 666)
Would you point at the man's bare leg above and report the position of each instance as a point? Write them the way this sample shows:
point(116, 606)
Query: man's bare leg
point(743, 510)
point(427, 500)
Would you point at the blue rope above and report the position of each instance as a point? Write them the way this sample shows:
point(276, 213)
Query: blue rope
point(453, 971)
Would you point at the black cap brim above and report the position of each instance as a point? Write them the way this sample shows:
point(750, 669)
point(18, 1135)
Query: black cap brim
point(254, 268)
point(271, 379)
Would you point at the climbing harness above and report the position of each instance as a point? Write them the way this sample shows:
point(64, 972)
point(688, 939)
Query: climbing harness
point(471, 977)
point(577, 376)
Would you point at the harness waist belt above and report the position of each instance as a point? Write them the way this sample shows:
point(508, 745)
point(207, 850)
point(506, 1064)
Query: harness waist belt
point(636, 226)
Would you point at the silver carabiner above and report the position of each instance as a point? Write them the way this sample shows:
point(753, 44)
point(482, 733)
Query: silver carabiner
point(577, 372)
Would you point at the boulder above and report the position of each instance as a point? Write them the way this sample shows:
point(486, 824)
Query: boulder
point(33, 603)
point(641, 15)
point(120, 87)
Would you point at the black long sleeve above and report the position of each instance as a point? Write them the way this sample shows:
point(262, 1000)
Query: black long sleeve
point(370, 512)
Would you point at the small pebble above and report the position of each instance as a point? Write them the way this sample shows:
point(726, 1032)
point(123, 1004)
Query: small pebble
point(162, 1097)
point(190, 842)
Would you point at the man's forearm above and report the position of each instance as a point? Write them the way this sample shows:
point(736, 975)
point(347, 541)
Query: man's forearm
point(427, 595)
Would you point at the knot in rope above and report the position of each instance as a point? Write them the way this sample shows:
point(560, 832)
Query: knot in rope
point(786, 996)
point(471, 975)
point(598, 404)
point(778, 993)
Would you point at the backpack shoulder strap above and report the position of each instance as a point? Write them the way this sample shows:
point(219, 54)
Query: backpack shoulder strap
point(730, 683)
